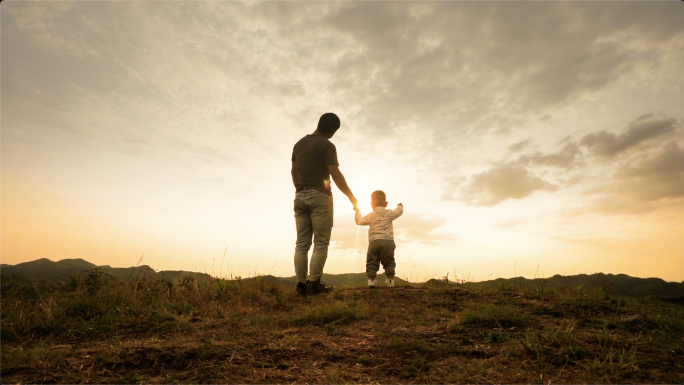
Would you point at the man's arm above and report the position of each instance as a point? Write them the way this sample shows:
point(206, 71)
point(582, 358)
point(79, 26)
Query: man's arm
point(294, 174)
point(341, 183)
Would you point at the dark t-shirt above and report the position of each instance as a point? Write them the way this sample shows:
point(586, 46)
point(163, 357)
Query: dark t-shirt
point(311, 156)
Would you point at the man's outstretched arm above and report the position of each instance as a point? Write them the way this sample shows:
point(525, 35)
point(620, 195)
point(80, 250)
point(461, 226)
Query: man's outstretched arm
point(341, 183)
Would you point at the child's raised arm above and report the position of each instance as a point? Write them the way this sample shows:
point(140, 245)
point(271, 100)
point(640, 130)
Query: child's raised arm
point(396, 213)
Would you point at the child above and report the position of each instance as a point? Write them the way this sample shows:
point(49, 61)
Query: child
point(381, 237)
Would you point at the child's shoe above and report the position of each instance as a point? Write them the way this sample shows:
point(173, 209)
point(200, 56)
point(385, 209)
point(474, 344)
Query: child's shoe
point(371, 283)
point(390, 282)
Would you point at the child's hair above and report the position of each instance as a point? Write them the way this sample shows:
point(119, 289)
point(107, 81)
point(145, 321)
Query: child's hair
point(380, 196)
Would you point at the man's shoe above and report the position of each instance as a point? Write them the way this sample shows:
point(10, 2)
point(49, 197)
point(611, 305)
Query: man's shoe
point(389, 282)
point(371, 283)
point(317, 286)
point(301, 288)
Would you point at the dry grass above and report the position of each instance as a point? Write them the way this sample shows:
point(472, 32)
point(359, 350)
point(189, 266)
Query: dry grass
point(102, 330)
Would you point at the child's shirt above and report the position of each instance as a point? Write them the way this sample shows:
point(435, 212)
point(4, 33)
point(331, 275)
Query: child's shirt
point(380, 221)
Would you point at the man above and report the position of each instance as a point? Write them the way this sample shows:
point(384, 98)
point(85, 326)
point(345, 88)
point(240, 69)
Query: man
point(314, 161)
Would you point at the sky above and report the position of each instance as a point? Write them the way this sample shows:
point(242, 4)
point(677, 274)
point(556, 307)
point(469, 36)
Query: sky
point(523, 138)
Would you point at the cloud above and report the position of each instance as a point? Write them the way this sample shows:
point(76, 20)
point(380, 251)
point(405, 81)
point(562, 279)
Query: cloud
point(419, 75)
point(566, 158)
point(519, 146)
point(649, 174)
point(646, 164)
point(648, 170)
point(453, 70)
point(514, 179)
point(642, 129)
point(504, 181)
point(414, 227)
point(655, 176)
point(450, 69)
point(410, 227)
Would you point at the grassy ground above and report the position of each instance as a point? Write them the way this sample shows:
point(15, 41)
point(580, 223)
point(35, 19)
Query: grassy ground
point(101, 330)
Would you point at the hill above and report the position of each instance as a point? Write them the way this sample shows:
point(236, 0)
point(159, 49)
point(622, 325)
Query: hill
point(49, 272)
point(619, 284)
point(103, 330)
point(46, 271)
point(54, 273)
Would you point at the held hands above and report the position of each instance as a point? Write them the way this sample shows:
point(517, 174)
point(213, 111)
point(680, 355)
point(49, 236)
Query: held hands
point(400, 205)
point(354, 202)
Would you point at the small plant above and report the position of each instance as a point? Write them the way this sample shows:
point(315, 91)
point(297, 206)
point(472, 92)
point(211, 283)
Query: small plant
point(93, 281)
point(531, 343)
point(132, 378)
point(418, 367)
point(493, 337)
point(403, 346)
point(188, 283)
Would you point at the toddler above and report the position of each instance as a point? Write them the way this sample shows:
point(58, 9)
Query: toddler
point(380, 236)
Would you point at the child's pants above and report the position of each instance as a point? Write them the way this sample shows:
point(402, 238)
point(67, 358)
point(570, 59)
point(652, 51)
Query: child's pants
point(380, 251)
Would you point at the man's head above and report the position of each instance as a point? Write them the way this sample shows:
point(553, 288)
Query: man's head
point(328, 125)
point(378, 199)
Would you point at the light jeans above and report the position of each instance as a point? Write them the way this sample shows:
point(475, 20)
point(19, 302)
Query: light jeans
point(314, 217)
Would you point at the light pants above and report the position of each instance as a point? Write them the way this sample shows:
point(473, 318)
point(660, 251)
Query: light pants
point(314, 217)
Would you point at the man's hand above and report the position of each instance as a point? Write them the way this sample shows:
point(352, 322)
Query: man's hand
point(400, 205)
point(354, 202)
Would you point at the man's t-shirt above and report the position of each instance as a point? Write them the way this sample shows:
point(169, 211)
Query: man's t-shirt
point(311, 156)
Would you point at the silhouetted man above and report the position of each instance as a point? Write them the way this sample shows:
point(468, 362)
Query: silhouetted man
point(314, 161)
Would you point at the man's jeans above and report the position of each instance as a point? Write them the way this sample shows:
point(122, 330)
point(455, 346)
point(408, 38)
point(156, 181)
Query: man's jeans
point(314, 217)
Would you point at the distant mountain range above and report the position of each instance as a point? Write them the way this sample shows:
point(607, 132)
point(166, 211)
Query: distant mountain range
point(617, 284)
point(46, 271)
point(49, 272)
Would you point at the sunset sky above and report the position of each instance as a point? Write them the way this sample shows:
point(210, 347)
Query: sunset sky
point(516, 134)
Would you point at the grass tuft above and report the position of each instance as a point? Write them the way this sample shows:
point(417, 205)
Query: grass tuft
point(501, 316)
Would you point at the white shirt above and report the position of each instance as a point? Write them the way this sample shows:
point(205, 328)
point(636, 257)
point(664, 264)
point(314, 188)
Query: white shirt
point(380, 221)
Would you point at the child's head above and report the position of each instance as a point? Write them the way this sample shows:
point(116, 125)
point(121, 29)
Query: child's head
point(378, 199)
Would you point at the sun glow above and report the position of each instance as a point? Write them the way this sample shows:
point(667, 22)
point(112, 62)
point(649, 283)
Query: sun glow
point(362, 191)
